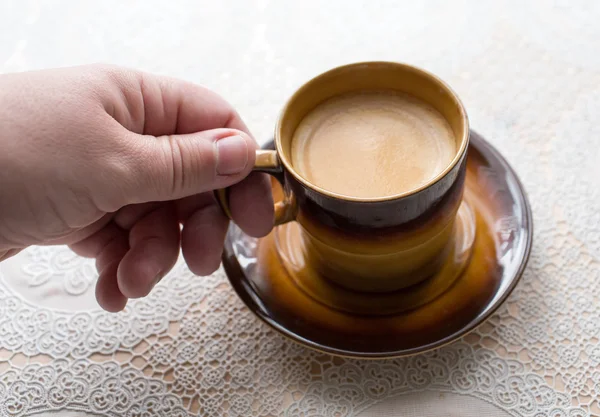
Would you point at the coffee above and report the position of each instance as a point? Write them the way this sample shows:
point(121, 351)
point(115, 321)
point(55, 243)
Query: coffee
point(372, 144)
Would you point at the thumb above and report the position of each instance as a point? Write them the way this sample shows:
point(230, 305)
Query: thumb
point(177, 166)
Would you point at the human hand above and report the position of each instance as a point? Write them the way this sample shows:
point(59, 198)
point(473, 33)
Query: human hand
point(111, 161)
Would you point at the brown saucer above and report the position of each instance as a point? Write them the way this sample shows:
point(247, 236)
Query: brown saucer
point(328, 318)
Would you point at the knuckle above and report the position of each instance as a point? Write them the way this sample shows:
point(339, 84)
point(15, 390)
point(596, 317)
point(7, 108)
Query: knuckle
point(112, 72)
point(193, 164)
point(176, 163)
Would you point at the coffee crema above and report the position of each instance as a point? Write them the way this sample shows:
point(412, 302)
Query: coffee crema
point(370, 144)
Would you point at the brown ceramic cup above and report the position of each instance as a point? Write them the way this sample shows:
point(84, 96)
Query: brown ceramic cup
point(369, 244)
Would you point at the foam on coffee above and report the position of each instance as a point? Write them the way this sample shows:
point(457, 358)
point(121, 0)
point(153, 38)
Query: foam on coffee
point(372, 144)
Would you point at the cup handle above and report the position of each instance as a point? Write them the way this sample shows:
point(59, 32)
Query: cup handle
point(268, 162)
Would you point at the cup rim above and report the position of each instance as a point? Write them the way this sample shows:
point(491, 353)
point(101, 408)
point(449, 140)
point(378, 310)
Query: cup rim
point(464, 139)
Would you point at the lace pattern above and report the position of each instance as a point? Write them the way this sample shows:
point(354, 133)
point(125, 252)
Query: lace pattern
point(218, 358)
point(528, 75)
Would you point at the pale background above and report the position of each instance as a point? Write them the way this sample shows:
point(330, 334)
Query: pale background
point(529, 75)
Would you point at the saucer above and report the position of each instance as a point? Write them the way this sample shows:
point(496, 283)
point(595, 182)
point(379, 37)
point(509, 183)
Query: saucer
point(494, 236)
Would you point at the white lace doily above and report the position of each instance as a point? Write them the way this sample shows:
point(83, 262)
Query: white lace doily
point(529, 74)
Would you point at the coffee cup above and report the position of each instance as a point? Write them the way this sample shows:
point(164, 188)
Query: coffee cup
point(366, 242)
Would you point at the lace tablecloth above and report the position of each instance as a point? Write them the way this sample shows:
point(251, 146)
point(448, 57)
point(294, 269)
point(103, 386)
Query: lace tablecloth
point(529, 74)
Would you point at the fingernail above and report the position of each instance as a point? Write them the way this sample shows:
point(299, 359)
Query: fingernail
point(232, 155)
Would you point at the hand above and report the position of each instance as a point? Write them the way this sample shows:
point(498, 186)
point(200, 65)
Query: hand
point(111, 161)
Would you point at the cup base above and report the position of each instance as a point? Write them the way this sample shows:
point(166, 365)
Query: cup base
point(291, 249)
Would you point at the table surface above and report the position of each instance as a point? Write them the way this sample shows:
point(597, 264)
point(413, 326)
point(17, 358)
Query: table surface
point(529, 75)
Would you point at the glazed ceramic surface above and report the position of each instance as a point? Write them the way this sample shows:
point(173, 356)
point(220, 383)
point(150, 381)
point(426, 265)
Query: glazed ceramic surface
point(491, 247)
point(375, 244)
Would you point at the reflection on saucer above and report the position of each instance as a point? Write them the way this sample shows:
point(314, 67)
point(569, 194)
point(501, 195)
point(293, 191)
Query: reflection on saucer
point(291, 247)
point(492, 240)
